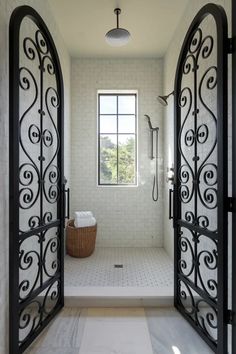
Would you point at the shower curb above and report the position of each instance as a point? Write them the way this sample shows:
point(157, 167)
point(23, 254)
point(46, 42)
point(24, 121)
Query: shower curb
point(118, 297)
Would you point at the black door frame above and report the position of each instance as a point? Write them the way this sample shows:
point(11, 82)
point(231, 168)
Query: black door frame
point(15, 306)
point(220, 303)
point(233, 253)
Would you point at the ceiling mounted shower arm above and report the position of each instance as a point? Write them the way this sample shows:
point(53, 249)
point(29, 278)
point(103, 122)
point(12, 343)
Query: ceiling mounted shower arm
point(117, 11)
point(117, 36)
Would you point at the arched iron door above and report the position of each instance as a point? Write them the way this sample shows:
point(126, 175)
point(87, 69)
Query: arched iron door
point(200, 188)
point(36, 179)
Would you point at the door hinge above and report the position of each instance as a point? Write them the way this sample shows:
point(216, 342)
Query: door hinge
point(230, 45)
point(231, 204)
point(230, 317)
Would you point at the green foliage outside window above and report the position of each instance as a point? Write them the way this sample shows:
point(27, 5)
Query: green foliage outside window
point(126, 161)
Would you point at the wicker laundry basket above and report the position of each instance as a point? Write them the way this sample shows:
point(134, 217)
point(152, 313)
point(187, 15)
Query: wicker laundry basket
point(80, 242)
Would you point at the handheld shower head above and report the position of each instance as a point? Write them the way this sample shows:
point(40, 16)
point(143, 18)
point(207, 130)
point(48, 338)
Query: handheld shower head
point(149, 121)
point(163, 99)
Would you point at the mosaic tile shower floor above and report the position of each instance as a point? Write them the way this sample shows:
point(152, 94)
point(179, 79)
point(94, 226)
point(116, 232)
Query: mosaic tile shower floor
point(142, 267)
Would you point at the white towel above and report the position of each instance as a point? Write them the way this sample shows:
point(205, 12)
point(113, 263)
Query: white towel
point(84, 222)
point(83, 214)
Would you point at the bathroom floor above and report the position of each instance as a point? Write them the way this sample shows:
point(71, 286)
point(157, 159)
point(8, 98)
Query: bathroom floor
point(137, 267)
point(119, 331)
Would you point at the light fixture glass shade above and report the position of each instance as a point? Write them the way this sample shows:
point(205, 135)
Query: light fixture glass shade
point(117, 37)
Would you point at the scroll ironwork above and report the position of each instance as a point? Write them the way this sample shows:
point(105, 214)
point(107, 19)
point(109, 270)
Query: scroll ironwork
point(36, 179)
point(200, 189)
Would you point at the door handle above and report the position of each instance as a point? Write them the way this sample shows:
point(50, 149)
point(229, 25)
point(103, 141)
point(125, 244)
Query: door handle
point(67, 197)
point(171, 192)
point(66, 202)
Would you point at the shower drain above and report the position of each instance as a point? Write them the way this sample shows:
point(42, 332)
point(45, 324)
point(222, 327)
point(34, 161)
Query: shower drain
point(118, 265)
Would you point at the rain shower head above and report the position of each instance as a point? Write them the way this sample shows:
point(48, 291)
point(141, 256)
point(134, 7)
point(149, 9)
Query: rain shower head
point(163, 99)
point(117, 37)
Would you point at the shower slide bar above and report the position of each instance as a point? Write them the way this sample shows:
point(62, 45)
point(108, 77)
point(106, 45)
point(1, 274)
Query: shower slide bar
point(155, 189)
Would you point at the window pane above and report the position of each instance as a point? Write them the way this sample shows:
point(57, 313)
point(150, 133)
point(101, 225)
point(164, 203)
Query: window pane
point(108, 104)
point(108, 124)
point(126, 124)
point(126, 104)
point(126, 159)
point(108, 159)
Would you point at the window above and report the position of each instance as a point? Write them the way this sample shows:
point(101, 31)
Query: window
point(117, 138)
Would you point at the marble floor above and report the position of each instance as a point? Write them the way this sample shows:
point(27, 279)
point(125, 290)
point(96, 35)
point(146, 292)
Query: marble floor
point(119, 331)
point(137, 267)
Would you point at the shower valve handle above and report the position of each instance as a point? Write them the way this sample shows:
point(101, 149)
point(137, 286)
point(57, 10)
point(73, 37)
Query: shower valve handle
point(170, 175)
point(170, 179)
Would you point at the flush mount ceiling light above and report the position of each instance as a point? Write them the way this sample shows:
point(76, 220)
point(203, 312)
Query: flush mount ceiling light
point(117, 37)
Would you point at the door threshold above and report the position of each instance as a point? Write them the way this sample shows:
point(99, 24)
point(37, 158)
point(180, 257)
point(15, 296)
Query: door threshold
point(119, 296)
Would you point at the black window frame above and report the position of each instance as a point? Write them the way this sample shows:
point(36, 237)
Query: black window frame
point(117, 94)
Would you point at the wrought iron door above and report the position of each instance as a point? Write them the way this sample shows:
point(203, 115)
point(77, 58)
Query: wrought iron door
point(200, 189)
point(36, 179)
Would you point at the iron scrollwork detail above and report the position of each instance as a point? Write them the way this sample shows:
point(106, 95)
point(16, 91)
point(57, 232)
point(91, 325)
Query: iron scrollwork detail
point(39, 178)
point(32, 316)
point(36, 160)
point(201, 174)
point(199, 311)
point(198, 178)
point(38, 260)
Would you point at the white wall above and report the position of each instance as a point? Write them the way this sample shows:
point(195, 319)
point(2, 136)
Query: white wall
point(126, 216)
point(170, 63)
point(6, 8)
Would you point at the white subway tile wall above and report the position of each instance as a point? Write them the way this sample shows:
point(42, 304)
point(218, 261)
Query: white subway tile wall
point(126, 216)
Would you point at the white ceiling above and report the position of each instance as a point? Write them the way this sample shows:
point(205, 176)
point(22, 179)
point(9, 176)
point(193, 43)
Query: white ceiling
point(83, 24)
